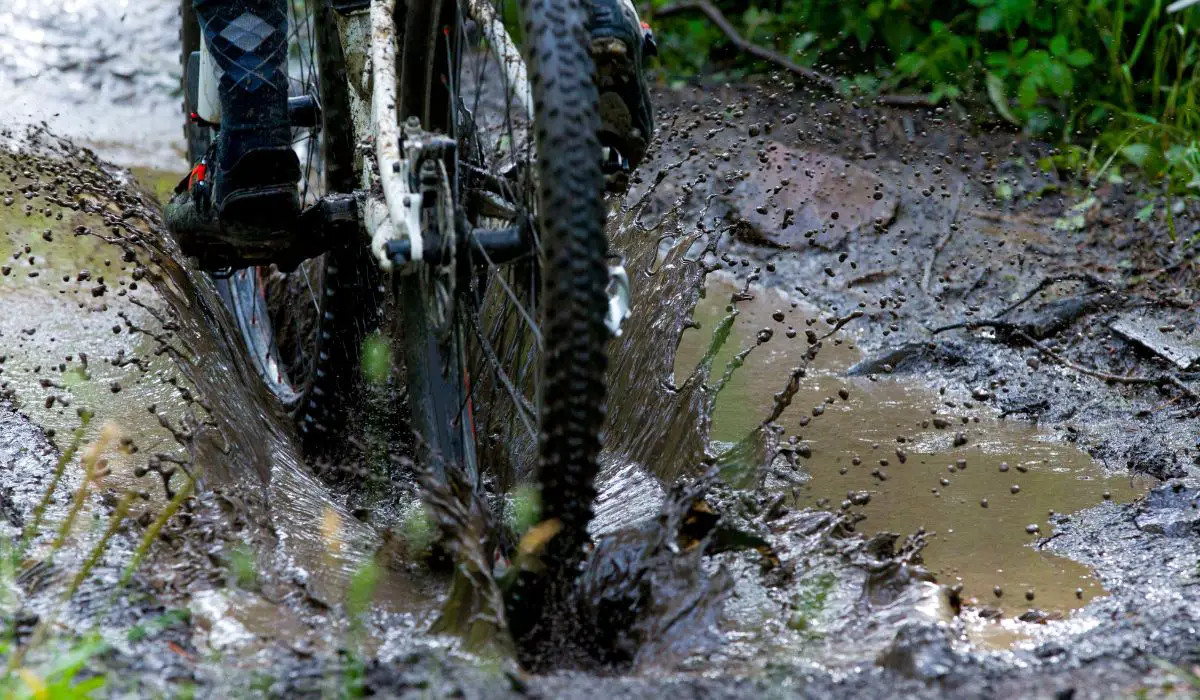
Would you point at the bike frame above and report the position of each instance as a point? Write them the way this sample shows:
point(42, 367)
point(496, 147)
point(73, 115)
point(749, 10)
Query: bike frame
point(389, 204)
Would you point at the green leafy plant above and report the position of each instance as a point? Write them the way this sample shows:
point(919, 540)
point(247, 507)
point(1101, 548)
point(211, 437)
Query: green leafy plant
point(59, 677)
point(1108, 81)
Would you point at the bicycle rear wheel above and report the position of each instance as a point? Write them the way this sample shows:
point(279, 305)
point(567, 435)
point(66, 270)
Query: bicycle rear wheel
point(303, 330)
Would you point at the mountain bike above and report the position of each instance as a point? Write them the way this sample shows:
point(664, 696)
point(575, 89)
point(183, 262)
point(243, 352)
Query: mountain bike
point(454, 173)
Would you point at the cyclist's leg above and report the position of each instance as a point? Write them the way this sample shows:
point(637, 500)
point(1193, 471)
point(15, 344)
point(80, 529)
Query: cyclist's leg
point(620, 43)
point(249, 200)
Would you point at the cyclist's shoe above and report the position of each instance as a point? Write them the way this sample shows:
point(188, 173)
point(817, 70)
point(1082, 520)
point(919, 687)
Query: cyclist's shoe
point(239, 206)
point(240, 217)
point(620, 44)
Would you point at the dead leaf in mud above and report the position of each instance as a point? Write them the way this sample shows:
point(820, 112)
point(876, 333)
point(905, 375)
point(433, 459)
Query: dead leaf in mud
point(799, 191)
point(535, 540)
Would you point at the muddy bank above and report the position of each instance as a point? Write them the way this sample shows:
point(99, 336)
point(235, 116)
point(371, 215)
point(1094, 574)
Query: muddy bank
point(919, 223)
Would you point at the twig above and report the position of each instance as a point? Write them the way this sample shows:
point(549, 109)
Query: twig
point(1016, 331)
point(1161, 380)
point(892, 100)
point(995, 321)
point(1089, 279)
point(1168, 270)
point(945, 239)
point(718, 18)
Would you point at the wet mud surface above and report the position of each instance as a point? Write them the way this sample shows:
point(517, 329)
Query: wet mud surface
point(797, 252)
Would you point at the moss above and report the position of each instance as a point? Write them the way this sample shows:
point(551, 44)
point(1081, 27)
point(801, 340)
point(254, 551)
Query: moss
point(376, 359)
point(809, 601)
point(418, 530)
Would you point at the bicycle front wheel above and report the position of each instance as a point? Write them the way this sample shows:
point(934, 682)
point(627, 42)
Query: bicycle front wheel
point(533, 385)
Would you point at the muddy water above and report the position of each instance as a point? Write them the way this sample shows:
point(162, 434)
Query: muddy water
point(96, 314)
point(71, 303)
point(856, 445)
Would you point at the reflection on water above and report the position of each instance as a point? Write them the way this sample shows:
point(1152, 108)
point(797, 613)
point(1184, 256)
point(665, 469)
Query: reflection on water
point(882, 441)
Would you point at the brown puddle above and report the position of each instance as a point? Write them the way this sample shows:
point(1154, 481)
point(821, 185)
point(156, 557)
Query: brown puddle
point(970, 544)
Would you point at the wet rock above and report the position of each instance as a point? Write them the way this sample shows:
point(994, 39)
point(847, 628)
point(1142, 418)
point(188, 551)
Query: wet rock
point(1053, 317)
point(826, 194)
point(1035, 616)
point(909, 357)
point(1164, 340)
point(1169, 511)
point(920, 651)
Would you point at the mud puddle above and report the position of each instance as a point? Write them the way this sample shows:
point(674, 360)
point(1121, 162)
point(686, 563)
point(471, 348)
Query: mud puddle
point(895, 452)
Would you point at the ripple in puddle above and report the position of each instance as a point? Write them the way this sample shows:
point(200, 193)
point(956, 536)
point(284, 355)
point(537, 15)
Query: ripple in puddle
point(854, 450)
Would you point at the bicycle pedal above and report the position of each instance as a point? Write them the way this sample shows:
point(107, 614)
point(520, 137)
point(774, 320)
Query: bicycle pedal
point(304, 112)
point(616, 170)
point(613, 161)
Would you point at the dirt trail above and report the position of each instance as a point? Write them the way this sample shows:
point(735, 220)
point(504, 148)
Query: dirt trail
point(828, 209)
point(917, 223)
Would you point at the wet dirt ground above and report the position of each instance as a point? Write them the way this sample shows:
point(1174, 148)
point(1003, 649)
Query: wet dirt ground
point(913, 218)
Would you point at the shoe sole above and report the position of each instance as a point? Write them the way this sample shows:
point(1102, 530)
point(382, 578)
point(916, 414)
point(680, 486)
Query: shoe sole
point(614, 63)
point(616, 77)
